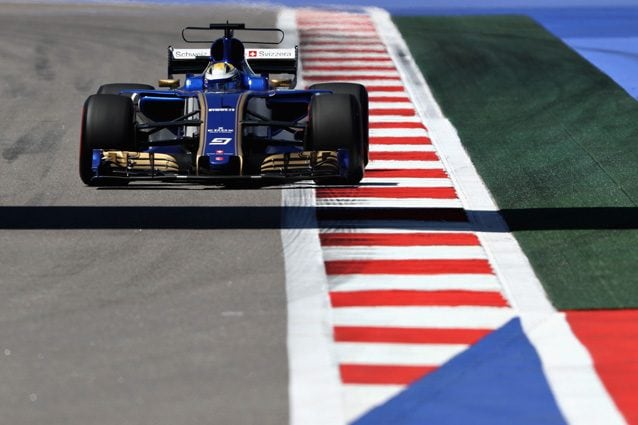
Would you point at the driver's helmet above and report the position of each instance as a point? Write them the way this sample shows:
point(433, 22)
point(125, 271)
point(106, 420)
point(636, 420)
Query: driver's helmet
point(221, 76)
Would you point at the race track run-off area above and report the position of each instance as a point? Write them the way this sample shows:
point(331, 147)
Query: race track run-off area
point(423, 309)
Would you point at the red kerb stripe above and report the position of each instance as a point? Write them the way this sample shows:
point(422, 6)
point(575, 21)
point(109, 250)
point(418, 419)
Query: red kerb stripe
point(405, 112)
point(399, 239)
point(307, 50)
point(372, 88)
point(403, 156)
point(388, 192)
point(408, 335)
point(416, 298)
point(307, 58)
point(382, 374)
point(400, 141)
point(388, 99)
point(350, 77)
point(611, 337)
point(396, 125)
point(349, 68)
point(408, 173)
point(404, 267)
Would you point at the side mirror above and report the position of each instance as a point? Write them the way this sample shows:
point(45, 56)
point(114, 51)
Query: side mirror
point(171, 83)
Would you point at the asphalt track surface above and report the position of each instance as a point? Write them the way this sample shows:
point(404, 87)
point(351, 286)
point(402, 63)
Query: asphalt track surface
point(167, 307)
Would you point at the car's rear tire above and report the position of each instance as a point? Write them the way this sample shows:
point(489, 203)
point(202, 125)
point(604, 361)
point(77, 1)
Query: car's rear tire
point(361, 94)
point(335, 122)
point(116, 88)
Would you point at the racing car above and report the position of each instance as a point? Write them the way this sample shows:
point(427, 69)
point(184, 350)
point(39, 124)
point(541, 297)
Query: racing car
point(237, 116)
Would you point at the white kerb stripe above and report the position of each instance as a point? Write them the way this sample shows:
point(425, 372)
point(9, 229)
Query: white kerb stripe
point(391, 105)
point(423, 317)
point(398, 132)
point(402, 252)
point(397, 354)
point(397, 225)
point(389, 203)
point(407, 182)
point(470, 282)
point(399, 165)
point(380, 147)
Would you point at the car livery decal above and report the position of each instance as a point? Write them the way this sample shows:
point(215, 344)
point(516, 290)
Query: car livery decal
point(220, 137)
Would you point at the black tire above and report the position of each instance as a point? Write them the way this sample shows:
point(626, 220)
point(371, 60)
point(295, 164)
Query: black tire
point(86, 153)
point(116, 88)
point(361, 94)
point(107, 123)
point(335, 122)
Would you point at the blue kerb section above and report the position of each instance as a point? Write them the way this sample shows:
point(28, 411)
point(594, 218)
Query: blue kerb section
point(497, 381)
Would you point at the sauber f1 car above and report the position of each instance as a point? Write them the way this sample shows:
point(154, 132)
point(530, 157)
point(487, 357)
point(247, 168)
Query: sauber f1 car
point(236, 116)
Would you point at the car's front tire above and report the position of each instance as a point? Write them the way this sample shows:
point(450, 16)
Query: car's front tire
point(334, 123)
point(361, 94)
point(108, 122)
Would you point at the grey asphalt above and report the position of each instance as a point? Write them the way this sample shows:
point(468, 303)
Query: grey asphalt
point(104, 320)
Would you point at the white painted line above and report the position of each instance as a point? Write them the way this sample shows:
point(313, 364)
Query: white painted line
point(358, 399)
point(365, 82)
point(402, 252)
point(396, 225)
point(391, 105)
point(387, 203)
point(423, 317)
point(373, 73)
point(379, 147)
point(393, 118)
point(566, 371)
point(314, 381)
point(380, 93)
point(397, 354)
point(322, 53)
point(398, 132)
point(345, 62)
point(448, 282)
point(407, 230)
point(309, 34)
point(400, 165)
point(406, 182)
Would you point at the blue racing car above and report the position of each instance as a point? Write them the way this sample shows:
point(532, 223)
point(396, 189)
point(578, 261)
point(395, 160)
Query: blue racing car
point(236, 116)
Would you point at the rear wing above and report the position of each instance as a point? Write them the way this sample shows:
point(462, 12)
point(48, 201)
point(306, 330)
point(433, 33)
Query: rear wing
point(261, 61)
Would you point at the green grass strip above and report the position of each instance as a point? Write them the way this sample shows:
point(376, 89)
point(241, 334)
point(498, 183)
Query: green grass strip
point(556, 142)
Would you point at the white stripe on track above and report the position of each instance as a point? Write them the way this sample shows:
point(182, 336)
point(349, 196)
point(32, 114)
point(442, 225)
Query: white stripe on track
point(423, 317)
point(365, 82)
point(397, 132)
point(399, 165)
point(316, 74)
point(396, 354)
point(389, 203)
point(448, 282)
point(401, 148)
point(395, 119)
point(402, 252)
point(391, 105)
point(396, 225)
point(407, 230)
point(309, 63)
point(323, 53)
point(406, 182)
